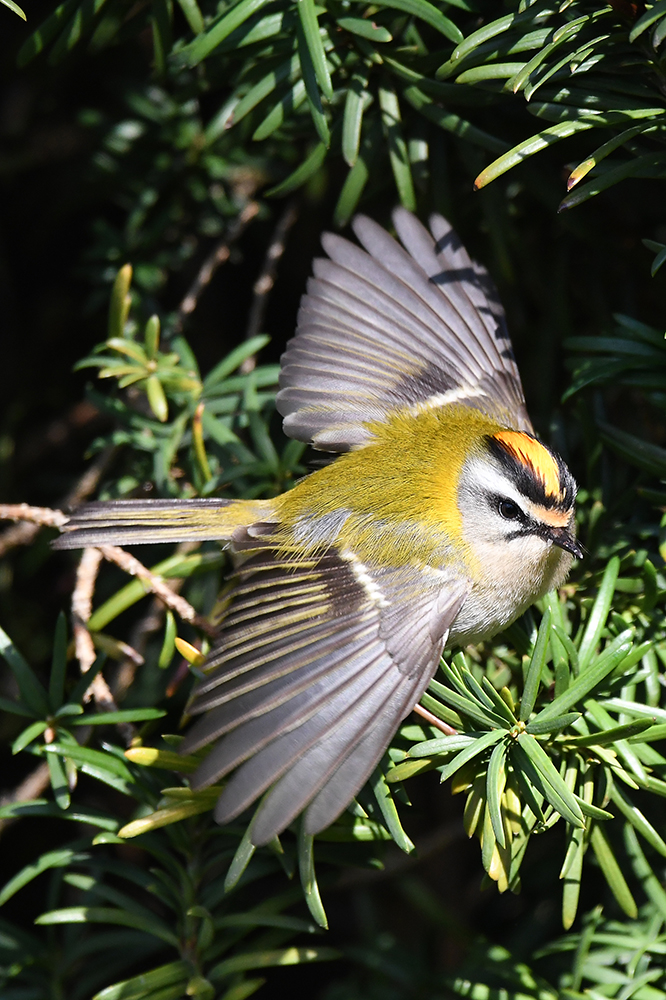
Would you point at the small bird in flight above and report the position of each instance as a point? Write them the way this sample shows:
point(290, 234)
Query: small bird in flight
point(440, 522)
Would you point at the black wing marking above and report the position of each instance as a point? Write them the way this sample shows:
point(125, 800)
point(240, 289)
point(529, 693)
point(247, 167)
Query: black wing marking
point(394, 327)
point(319, 661)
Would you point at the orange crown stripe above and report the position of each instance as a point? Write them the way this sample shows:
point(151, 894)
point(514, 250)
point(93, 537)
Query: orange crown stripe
point(531, 452)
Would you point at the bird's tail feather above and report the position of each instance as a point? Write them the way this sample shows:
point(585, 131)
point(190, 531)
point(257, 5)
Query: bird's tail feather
point(137, 522)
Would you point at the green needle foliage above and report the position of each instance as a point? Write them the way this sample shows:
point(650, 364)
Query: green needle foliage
point(15, 7)
point(608, 958)
point(634, 355)
point(293, 83)
point(174, 415)
point(563, 742)
point(189, 918)
point(553, 731)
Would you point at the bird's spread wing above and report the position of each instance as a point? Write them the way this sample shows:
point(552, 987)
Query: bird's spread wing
point(394, 327)
point(319, 661)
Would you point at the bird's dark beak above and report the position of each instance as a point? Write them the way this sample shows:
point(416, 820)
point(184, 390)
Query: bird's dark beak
point(565, 540)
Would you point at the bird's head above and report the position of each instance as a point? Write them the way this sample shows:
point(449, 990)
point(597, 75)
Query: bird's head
point(517, 502)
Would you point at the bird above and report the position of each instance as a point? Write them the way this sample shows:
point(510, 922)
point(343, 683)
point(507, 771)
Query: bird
point(441, 520)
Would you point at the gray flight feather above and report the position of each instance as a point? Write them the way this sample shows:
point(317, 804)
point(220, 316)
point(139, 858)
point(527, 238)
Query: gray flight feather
point(391, 326)
point(359, 764)
point(307, 693)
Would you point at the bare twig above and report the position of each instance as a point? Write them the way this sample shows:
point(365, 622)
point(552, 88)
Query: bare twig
point(57, 431)
point(89, 481)
point(41, 516)
point(86, 577)
point(20, 534)
point(33, 518)
point(220, 255)
point(158, 586)
point(434, 721)
point(264, 283)
point(117, 649)
point(30, 788)
point(87, 572)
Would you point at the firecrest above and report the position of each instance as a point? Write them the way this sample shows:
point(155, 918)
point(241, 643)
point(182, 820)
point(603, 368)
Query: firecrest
point(440, 522)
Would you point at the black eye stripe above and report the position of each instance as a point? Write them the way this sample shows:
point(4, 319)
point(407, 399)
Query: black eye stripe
point(529, 483)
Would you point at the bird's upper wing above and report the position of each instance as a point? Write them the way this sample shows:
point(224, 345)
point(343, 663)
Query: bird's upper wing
point(393, 327)
point(319, 661)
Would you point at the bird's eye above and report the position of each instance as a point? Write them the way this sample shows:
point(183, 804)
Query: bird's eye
point(508, 510)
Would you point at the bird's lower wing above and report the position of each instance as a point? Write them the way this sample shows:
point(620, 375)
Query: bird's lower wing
point(320, 659)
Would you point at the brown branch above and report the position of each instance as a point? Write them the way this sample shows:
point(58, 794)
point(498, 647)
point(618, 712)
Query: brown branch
point(434, 721)
point(34, 518)
point(86, 577)
point(117, 649)
point(87, 573)
point(21, 534)
point(30, 788)
point(57, 432)
point(219, 255)
point(150, 623)
point(89, 481)
point(41, 516)
point(31, 519)
point(266, 279)
point(158, 586)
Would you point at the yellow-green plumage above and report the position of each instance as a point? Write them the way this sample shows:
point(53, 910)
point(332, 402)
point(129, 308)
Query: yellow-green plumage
point(399, 490)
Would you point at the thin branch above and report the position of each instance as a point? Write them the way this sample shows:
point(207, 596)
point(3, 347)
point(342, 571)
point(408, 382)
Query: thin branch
point(86, 577)
point(158, 586)
point(150, 623)
point(56, 432)
point(219, 255)
point(33, 518)
point(41, 516)
point(117, 649)
point(89, 481)
point(20, 534)
point(434, 721)
point(82, 597)
point(29, 789)
point(266, 279)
